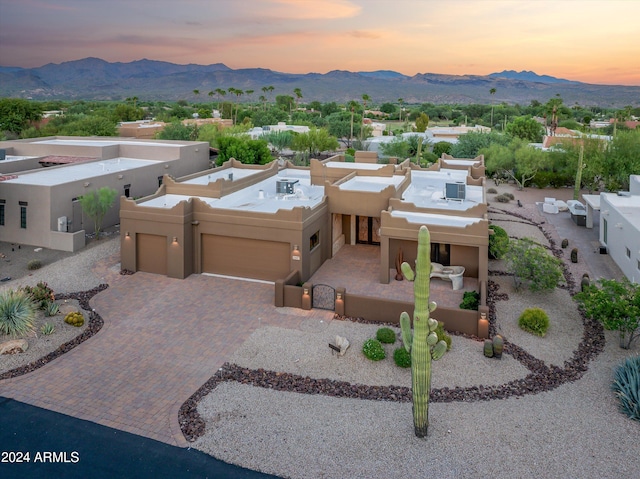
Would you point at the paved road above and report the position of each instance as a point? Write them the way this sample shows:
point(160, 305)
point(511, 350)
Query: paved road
point(84, 449)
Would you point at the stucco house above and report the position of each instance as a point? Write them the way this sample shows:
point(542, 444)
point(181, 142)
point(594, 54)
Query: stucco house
point(41, 180)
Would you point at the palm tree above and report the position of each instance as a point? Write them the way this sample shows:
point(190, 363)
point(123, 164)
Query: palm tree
point(352, 107)
point(492, 92)
point(249, 93)
point(220, 93)
point(298, 93)
point(238, 93)
point(365, 99)
point(196, 92)
point(263, 99)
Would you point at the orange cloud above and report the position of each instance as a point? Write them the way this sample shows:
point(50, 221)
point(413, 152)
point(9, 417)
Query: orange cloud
point(311, 9)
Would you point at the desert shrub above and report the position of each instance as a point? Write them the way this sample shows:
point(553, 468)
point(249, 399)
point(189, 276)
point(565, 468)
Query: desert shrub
point(492, 191)
point(532, 266)
point(443, 335)
point(626, 386)
point(498, 242)
point(502, 199)
point(34, 264)
point(372, 349)
point(470, 300)
point(386, 335)
point(534, 321)
point(17, 313)
point(402, 358)
point(508, 195)
point(41, 294)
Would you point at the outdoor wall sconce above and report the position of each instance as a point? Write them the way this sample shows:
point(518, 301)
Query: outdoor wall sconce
point(295, 254)
point(127, 235)
point(305, 291)
point(120, 177)
point(166, 167)
point(175, 240)
point(483, 326)
point(338, 296)
point(86, 184)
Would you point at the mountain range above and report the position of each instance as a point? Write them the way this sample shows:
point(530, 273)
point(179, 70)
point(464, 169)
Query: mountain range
point(97, 79)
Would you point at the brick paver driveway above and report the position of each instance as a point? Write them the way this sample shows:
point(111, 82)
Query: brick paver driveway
point(162, 339)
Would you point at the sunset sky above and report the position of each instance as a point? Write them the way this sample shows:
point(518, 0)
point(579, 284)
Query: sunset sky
point(594, 41)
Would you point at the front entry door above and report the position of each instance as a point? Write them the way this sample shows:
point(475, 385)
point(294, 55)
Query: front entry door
point(368, 230)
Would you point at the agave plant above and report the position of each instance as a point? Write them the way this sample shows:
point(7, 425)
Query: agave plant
point(626, 387)
point(51, 308)
point(17, 313)
point(47, 329)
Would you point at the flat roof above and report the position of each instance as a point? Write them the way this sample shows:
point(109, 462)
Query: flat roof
point(260, 198)
point(59, 141)
point(10, 158)
point(434, 219)
point(460, 162)
point(354, 166)
point(628, 206)
point(214, 175)
point(80, 171)
point(371, 183)
point(427, 190)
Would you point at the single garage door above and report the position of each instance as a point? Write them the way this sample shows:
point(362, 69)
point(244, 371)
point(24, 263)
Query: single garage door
point(151, 253)
point(245, 258)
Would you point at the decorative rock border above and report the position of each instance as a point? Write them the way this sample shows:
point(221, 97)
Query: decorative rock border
point(542, 377)
point(95, 324)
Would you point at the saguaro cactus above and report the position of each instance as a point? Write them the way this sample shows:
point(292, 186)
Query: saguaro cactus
point(422, 342)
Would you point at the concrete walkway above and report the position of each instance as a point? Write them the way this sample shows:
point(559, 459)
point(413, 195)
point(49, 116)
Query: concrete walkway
point(162, 339)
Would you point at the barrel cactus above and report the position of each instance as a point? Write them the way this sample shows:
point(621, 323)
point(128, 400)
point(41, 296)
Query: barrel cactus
point(498, 346)
point(422, 342)
point(488, 348)
point(574, 255)
point(74, 319)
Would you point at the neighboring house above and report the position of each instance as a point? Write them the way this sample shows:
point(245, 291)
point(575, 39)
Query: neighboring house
point(142, 129)
point(258, 131)
point(620, 227)
point(42, 178)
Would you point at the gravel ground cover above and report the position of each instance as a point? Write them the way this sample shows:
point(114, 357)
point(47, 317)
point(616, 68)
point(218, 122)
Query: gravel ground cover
point(571, 430)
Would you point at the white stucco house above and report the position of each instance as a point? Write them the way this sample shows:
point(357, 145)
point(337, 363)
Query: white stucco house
point(620, 228)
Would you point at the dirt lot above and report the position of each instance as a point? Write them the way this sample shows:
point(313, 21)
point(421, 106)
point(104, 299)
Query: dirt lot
point(14, 257)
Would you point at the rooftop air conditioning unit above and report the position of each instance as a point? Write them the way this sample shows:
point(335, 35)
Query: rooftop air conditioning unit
point(62, 224)
point(455, 191)
point(285, 186)
point(3, 154)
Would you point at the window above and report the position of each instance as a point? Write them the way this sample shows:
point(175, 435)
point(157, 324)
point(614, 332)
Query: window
point(127, 190)
point(628, 253)
point(2, 202)
point(441, 253)
point(604, 230)
point(159, 181)
point(23, 214)
point(638, 265)
point(314, 240)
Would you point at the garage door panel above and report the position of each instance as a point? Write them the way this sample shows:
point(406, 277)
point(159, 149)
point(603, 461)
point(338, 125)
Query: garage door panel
point(151, 253)
point(243, 257)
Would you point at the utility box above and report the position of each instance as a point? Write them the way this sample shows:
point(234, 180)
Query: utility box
point(62, 224)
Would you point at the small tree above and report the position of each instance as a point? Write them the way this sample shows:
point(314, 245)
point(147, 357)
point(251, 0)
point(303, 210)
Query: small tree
point(96, 203)
point(529, 262)
point(616, 304)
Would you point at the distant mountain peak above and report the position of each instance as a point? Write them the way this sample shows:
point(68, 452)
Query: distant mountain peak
point(528, 75)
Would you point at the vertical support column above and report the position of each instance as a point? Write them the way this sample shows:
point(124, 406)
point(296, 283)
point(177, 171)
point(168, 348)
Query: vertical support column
point(353, 229)
point(384, 259)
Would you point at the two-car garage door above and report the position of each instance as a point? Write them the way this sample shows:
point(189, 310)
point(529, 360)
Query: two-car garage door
point(243, 257)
